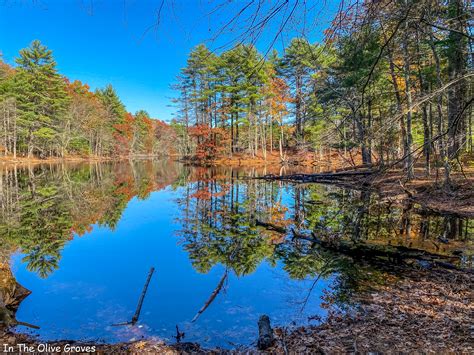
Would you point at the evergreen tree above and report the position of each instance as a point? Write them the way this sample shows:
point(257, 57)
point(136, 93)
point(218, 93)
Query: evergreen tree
point(41, 98)
point(112, 103)
point(297, 65)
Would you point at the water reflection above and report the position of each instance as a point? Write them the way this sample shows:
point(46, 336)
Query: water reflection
point(43, 207)
point(214, 215)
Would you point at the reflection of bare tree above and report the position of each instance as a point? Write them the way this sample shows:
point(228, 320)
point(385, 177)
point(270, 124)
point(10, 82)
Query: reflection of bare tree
point(322, 273)
point(9, 195)
point(212, 296)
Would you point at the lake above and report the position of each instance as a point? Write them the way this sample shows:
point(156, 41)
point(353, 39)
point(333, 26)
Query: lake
point(83, 237)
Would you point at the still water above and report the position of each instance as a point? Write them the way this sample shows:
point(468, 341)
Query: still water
point(82, 238)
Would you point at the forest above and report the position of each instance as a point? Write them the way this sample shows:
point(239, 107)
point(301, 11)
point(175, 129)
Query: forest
point(46, 115)
point(391, 84)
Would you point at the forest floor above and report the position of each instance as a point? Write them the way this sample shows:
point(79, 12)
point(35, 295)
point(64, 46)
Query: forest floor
point(429, 192)
point(428, 311)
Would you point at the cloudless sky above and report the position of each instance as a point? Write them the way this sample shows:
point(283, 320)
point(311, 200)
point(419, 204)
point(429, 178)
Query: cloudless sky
point(118, 42)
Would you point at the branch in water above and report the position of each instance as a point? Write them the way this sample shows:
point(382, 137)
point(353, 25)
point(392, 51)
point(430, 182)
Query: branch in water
point(212, 297)
point(140, 302)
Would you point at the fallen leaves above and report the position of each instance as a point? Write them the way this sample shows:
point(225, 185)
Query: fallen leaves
point(429, 311)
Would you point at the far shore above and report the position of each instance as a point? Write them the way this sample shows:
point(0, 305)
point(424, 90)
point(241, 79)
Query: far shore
point(325, 162)
point(9, 160)
point(424, 190)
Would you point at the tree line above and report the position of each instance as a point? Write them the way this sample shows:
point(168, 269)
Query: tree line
point(392, 82)
point(43, 114)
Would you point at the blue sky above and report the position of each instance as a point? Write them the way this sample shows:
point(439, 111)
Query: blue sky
point(116, 42)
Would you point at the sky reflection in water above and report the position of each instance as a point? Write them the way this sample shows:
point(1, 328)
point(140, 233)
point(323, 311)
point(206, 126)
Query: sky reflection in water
point(101, 275)
point(90, 233)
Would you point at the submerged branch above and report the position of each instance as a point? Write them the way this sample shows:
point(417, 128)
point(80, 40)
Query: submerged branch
point(142, 297)
point(395, 253)
point(270, 226)
point(140, 301)
point(212, 297)
point(25, 324)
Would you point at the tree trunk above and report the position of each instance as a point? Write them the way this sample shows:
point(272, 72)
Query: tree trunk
point(456, 68)
point(409, 138)
point(403, 132)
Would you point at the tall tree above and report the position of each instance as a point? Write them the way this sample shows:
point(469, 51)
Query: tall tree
point(41, 98)
point(297, 65)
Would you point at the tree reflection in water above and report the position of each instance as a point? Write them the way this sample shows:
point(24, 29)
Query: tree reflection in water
point(43, 207)
point(221, 210)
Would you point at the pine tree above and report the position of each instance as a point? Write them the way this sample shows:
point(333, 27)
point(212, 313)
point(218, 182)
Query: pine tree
point(112, 103)
point(297, 65)
point(41, 97)
point(118, 120)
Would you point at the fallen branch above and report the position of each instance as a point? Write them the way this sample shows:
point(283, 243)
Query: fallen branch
point(140, 301)
point(270, 226)
point(25, 324)
point(319, 177)
point(370, 251)
point(142, 297)
point(398, 253)
point(179, 335)
point(409, 193)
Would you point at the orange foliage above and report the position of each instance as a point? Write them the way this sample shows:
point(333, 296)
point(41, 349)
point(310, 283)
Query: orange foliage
point(123, 134)
point(210, 141)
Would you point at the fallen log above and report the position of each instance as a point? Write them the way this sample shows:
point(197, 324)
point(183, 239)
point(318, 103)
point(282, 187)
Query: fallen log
point(265, 333)
point(270, 226)
point(370, 251)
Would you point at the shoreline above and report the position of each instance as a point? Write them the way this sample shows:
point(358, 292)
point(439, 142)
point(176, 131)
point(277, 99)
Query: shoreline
point(295, 158)
point(433, 306)
point(10, 161)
